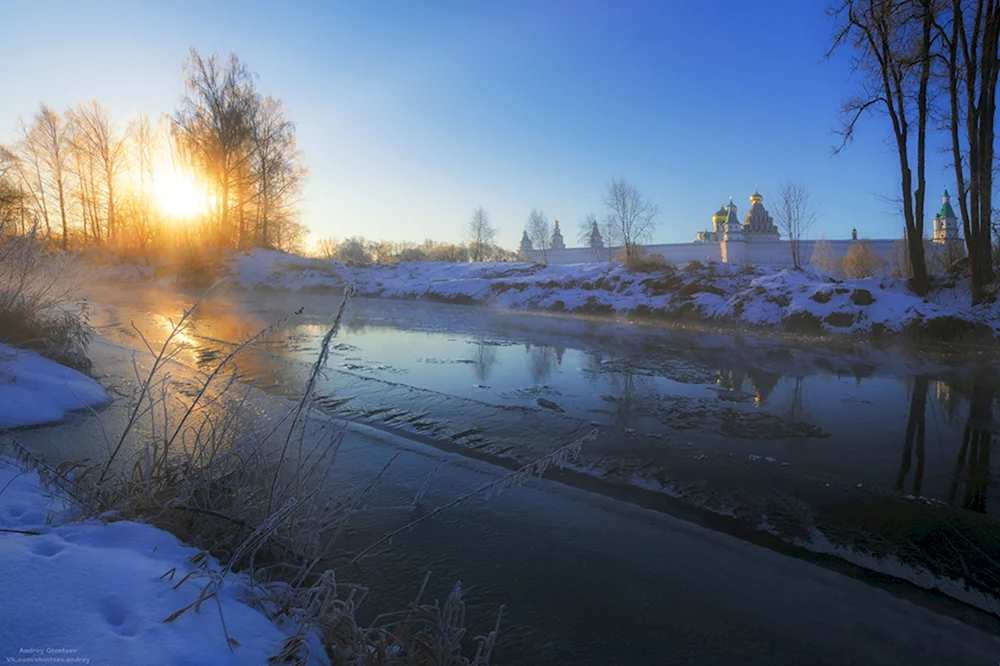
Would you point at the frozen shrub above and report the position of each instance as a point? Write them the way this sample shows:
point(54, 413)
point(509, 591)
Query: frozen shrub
point(861, 262)
point(823, 260)
point(640, 262)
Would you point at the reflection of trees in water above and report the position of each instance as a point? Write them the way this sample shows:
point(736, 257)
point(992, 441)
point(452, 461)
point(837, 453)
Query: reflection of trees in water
point(796, 404)
point(913, 440)
point(543, 359)
point(593, 366)
point(625, 387)
point(484, 359)
point(974, 455)
point(541, 363)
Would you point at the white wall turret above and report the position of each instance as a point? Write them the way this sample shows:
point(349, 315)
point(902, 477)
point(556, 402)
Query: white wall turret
point(557, 239)
point(525, 243)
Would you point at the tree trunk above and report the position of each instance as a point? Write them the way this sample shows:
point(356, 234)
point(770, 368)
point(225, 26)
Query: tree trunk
point(62, 213)
point(24, 228)
point(112, 221)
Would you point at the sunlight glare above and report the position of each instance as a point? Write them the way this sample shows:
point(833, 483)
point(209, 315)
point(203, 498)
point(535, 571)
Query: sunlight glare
point(179, 195)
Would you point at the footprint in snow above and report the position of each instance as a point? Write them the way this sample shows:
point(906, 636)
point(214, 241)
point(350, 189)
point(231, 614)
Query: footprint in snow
point(117, 616)
point(47, 547)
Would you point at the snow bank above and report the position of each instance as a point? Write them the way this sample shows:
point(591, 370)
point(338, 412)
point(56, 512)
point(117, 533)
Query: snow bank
point(756, 296)
point(890, 565)
point(35, 390)
point(96, 593)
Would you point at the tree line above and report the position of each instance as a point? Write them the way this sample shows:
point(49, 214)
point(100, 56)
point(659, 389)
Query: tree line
point(360, 250)
point(80, 179)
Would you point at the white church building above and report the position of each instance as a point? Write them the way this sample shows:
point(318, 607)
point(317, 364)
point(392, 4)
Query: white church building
point(755, 240)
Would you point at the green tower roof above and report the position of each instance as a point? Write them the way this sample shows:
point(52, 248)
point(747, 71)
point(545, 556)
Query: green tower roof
point(946, 210)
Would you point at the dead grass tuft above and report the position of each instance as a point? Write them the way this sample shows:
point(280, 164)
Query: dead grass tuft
point(36, 309)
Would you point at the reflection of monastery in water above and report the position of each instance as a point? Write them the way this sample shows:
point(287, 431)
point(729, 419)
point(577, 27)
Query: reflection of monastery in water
point(762, 382)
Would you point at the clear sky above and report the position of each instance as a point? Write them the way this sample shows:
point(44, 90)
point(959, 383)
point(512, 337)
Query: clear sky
point(412, 113)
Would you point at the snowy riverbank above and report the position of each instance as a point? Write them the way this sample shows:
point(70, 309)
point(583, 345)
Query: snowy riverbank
point(35, 390)
point(101, 593)
point(95, 592)
point(715, 294)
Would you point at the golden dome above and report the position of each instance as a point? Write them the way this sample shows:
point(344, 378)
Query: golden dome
point(720, 215)
point(756, 198)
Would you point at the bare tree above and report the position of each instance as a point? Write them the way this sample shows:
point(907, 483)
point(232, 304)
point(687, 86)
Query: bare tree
point(970, 32)
point(893, 41)
point(142, 137)
point(632, 216)
point(583, 229)
point(214, 126)
point(277, 167)
point(539, 231)
point(52, 131)
point(12, 197)
point(795, 217)
point(326, 248)
point(96, 136)
point(480, 234)
point(29, 171)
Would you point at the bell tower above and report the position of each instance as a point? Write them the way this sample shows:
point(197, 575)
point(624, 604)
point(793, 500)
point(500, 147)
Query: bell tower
point(945, 222)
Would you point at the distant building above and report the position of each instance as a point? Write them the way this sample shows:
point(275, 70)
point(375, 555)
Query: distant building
point(525, 243)
point(753, 241)
point(757, 225)
point(557, 239)
point(945, 222)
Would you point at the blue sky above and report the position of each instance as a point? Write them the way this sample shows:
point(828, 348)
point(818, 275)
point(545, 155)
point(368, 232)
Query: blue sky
point(411, 114)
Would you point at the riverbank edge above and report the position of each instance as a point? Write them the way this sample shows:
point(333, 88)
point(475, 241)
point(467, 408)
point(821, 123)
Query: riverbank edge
point(960, 334)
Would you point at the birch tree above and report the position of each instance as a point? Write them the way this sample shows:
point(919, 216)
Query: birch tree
point(794, 216)
point(630, 215)
point(480, 234)
point(539, 231)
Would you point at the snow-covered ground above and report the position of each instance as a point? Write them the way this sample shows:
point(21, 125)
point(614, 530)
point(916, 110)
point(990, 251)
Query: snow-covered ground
point(762, 297)
point(100, 593)
point(93, 592)
point(35, 390)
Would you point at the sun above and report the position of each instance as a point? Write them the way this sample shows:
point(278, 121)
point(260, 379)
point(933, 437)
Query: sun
point(179, 195)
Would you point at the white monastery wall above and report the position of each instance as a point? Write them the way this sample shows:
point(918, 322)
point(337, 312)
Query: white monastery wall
point(758, 252)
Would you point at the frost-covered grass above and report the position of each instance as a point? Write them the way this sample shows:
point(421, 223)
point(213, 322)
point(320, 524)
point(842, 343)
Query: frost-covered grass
point(34, 302)
point(718, 294)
